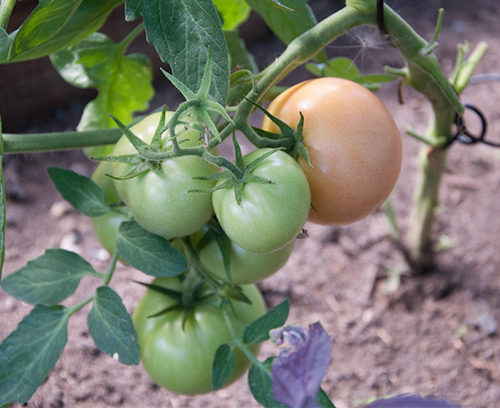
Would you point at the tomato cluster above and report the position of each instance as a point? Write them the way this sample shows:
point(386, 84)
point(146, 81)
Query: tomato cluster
point(244, 231)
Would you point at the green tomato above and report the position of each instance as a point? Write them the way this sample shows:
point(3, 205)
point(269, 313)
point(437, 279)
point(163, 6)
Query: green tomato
point(270, 215)
point(159, 200)
point(106, 226)
point(179, 357)
point(245, 266)
point(106, 183)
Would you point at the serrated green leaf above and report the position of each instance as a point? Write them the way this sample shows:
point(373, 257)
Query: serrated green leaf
point(111, 327)
point(258, 330)
point(223, 366)
point(182, 31)
point(148, 252)
point(124, 82)
point(29, 353)
point(233, 12)
point(286, 24)
point(261, 385)
point(55, 24)
point(133, 9)
point(238, 53)
point(48, 279)
point(80, 191)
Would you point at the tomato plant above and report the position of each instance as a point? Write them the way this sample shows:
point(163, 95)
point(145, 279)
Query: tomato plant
point(271, 214)
point(168, 176)
point(178, 346)
point(245, 266)
point(159, 200)
point(353, 143)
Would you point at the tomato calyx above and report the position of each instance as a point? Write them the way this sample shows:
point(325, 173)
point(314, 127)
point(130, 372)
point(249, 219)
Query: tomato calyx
point(184, 301)
point(294, 145)
point(199, 105)
point(238, 174)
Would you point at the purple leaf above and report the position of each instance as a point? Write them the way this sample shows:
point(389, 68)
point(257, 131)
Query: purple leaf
point(410, 401)
point(298, 370)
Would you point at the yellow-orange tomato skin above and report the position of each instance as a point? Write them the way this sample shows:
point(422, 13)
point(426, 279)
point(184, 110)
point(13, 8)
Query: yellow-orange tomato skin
point(353, 143)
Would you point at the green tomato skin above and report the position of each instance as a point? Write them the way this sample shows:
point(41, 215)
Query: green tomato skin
point(245, 267)
point(106, 228)
point(181, 360)
point(106, 183)
point(270, 215)
point(159, 201)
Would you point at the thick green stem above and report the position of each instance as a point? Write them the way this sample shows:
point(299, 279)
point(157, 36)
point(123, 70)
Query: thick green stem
point(40, 142)
point(299, 51)
point(433, 160)
point(425, 196)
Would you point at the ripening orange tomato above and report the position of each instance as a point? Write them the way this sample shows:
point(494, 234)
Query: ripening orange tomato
point(353, 143)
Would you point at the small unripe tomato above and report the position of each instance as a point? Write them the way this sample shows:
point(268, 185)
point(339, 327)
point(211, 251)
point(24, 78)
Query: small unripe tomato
point(164, 202)
point(353, 142)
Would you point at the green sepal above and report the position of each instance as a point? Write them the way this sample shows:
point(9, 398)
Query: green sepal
point(286, 130)
point(183, 89)
point(199, 104)
point(165, 311)
point(138, 143)
point(137, 170)
point(156, 141)
point(176, 296)
point(235, 293)
point(225, 249)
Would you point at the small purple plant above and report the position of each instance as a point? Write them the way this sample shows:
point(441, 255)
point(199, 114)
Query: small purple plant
point(299, 368)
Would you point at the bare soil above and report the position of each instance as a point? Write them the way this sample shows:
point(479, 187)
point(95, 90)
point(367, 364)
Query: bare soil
point(435, 334)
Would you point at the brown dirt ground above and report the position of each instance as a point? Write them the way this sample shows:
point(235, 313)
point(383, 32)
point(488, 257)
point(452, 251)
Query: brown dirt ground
point(387, 339)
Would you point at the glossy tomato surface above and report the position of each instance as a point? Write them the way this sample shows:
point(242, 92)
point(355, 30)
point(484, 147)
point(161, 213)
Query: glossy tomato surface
point(353, 143)
point(159, 200)
point(270, 215)
point(180, 359)
point(245, 267)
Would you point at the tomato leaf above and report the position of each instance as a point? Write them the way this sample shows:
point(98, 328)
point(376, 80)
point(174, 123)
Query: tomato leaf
point(238, 53)
point(29, 353)
point(286, 22)
point(299, 369)
point(233, 12)
point(133, 9)
point(260, 385)
point(48, 279)
point(258, 331)
point(182, 31)
point(124, 82)
point(223, 366)
point(410, 401)
point(111, 327)
point(80, 191)
point(148, 252)
point(55, 24)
